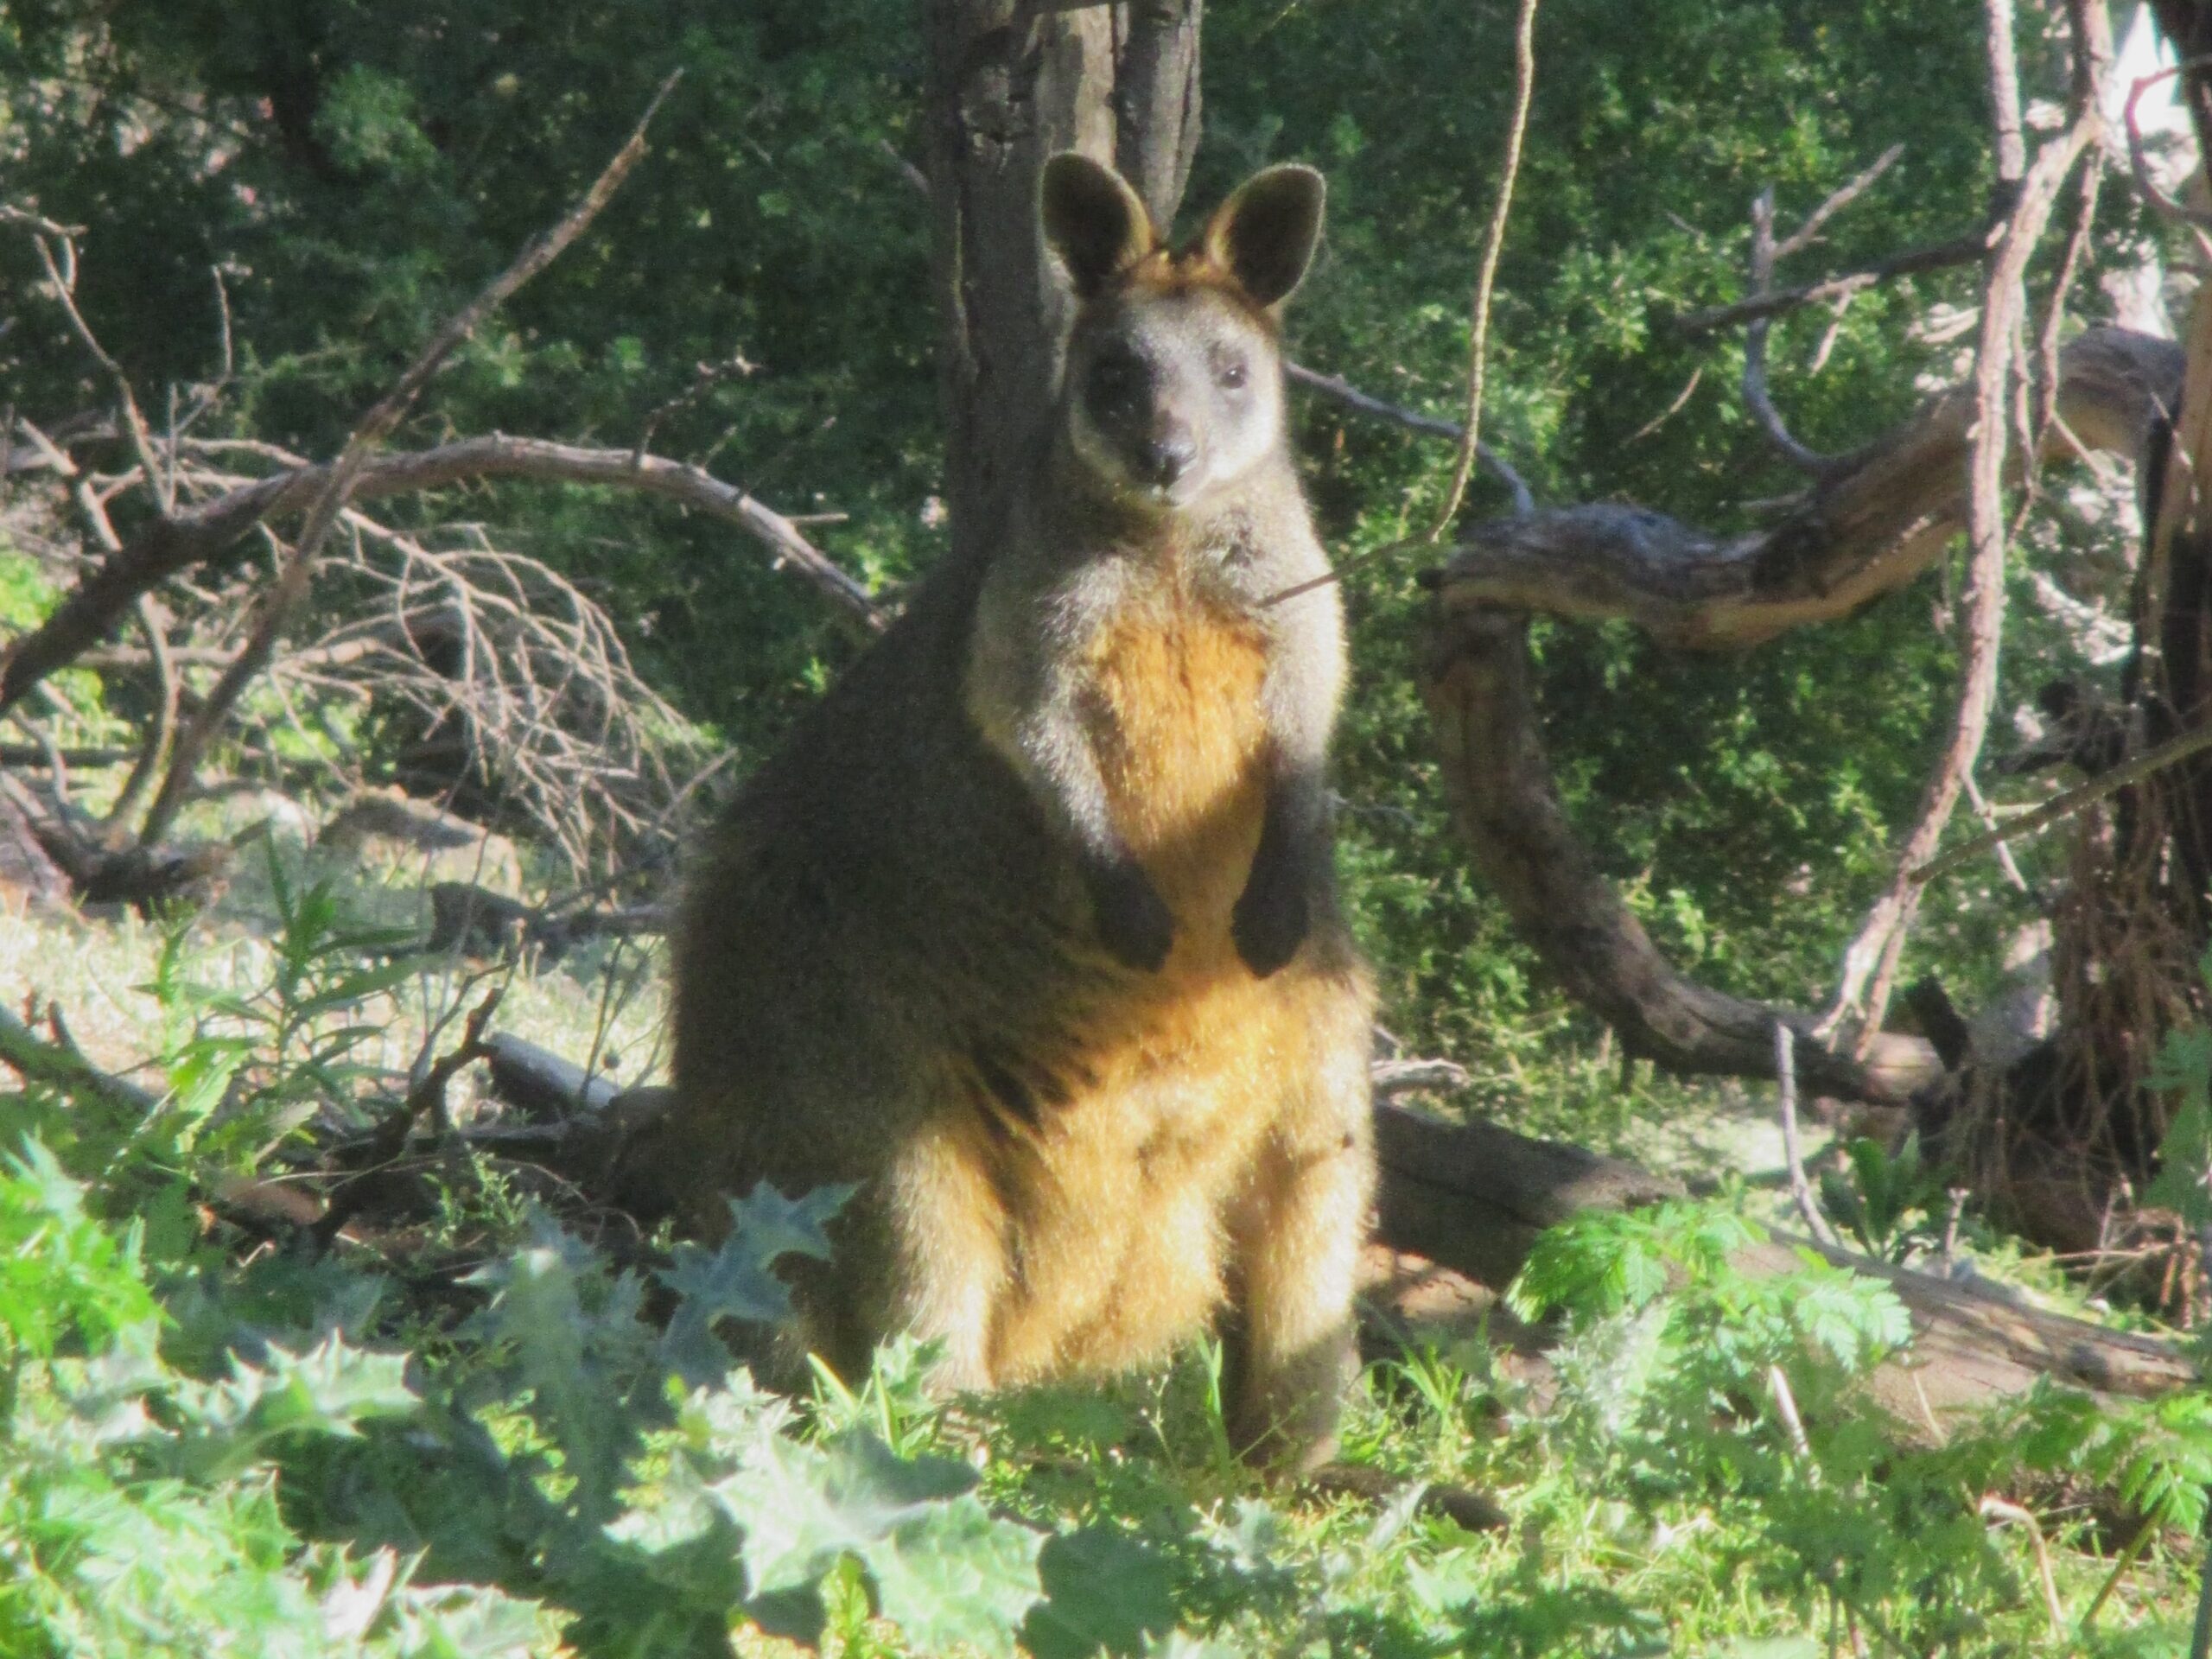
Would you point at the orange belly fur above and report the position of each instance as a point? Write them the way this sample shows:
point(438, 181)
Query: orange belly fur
point(1181, 742)
point(1111, 1203)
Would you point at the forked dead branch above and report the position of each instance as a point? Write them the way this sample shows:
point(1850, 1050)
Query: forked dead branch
point(521, 676)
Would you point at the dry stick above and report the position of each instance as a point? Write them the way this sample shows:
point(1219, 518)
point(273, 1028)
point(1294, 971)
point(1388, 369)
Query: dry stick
point(2069, 801)
point(291, 583)
point(389, 1139)
point(1524, 87)
point(1958, 250)
point(1336, 386)
point(1785, 1404)
point(2005, 1513)
point(1802, 238)
point(2138, 166)
point(1755, 398)
point(2004, 93)
point(161, 734)
point(1982, 810)
point(1785, 1075)
point(2092, 64)
point(63, 275)
point(167, 549)
point(1766, 252)
point(1871, 963)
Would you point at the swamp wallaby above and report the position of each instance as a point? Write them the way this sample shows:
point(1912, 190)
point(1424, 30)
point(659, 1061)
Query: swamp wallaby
point(1029, 930)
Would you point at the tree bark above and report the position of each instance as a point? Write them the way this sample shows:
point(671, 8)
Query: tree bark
point(1012, 83)
point(1880, 519)
point(1476, 679)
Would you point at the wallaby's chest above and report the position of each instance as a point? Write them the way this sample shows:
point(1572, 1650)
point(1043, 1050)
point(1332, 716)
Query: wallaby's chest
point(1181, 735)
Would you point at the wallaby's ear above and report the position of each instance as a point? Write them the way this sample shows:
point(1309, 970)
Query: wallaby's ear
point(1092, 220)
point(1264, 235)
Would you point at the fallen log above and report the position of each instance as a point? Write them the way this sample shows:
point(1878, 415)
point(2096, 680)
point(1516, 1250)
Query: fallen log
point(1461, 1202)
point(1473, 1198)
point(476, 921)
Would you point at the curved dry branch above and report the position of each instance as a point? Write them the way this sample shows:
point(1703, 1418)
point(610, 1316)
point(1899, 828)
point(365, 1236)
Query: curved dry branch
point(1476, 680)
point(1884, 515)
point(168, 547)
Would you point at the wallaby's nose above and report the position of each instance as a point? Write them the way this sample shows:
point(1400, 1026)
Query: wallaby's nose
point(1168, 454)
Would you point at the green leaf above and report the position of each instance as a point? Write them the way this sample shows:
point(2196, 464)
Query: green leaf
point(945, 1567)
point(732, 1281)
point(1104, 1592)
point(955, 1575)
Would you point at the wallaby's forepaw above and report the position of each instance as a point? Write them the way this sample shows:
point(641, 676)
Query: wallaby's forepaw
point(1272, 918)
point(1134, 920)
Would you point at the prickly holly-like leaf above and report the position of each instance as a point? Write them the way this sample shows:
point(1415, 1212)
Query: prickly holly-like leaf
point(722, 1423)
point(569, 1329)
point(327, 1390)
point(802, 1507)
point(944, 1568)
point(794, 1529)
point(955, 1575)
point(1104, 1593)
point(465, 1622)
point(734, 1279)
point(780, 1226)
point(730, 1282)
point(331, 1388)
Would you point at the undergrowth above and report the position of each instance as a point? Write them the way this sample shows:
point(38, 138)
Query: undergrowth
point(503, 1423)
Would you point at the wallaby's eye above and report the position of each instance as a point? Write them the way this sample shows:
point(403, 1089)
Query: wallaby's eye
point(1230, 374)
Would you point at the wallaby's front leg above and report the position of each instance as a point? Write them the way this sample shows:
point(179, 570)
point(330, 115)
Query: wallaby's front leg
point(1032, 702)
point(1290, 873)
point(1288, 885)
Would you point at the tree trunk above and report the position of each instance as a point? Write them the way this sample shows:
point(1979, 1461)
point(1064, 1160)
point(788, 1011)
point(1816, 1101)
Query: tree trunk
point(1012, 83)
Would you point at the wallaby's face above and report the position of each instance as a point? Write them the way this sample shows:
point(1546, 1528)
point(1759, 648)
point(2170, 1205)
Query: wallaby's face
point(1173, 386)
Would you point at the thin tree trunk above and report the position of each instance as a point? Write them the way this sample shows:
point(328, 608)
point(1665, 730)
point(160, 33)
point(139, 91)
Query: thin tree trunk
point(1012, 83)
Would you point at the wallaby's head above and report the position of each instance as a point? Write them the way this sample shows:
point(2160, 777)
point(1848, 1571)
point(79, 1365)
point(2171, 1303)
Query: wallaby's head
point(1173, 384)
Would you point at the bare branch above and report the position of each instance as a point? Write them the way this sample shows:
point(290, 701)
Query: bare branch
point(1959, 251)
point(1336, 386)
point(161, 731)
point(62, 274)
point(1871, 963)
point(1804, 236)
point(2067, 803)
point(1755, 398)
point(1478, 681)
point(166, 549)
point(291, 583)
point(2004, 92)
point(1785, 1077)
point(1867, 529)
point(38, 224)
point(2138, 166)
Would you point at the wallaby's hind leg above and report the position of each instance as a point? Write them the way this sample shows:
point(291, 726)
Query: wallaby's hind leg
point(1291, 1349)
point(947, 1225)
